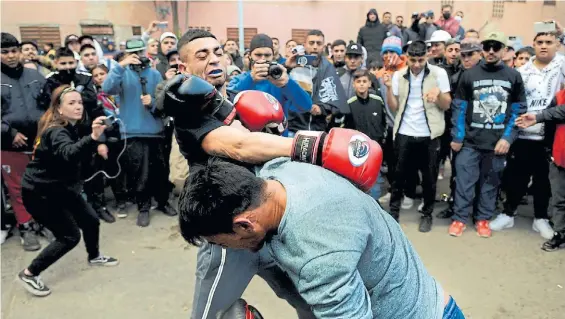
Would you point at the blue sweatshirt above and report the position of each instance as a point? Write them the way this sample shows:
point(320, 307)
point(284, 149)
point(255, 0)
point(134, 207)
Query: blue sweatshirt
point(292, 97)
point(347, 257)
point(138, 119)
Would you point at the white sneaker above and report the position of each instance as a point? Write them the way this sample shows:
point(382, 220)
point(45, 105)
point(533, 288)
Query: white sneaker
point(385, 198)
point(421, 207)
point(407, 203)
point(502, 221)
point(3, 236)
point(542, 226)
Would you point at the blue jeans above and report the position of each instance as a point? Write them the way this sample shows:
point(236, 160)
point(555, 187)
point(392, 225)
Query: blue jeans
point(375, 191)
point(452, 310)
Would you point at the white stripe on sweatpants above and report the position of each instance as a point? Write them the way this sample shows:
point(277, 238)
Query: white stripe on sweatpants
point(214, 285)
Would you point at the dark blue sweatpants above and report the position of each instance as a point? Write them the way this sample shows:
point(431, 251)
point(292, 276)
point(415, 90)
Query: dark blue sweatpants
point(474, 166)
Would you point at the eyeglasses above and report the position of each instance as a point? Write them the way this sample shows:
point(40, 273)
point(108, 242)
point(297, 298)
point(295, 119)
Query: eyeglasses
point(494, 45)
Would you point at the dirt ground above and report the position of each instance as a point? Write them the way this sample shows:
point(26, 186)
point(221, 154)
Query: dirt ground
point(506, 276)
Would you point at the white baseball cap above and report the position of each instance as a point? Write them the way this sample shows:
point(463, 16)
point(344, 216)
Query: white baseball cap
point(439, 36)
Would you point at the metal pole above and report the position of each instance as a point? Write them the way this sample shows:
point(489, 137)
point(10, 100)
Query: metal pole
point(241, 29)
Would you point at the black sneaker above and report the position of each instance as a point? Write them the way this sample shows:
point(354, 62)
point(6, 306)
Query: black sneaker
point(121, 211)
point(446, 213)
point(143, 219)
point(554, 243)
point(168, 210)
point(105, 215)
point(33, 284)
point(425, 224)
point(29, 240)
point(103, 261)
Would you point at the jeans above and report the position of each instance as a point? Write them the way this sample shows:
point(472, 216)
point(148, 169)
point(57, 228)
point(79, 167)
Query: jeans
point(474, 166)
point(452, 310)
point(13, 168)
point(65, 214)
point(375, 191)
point(557, 178)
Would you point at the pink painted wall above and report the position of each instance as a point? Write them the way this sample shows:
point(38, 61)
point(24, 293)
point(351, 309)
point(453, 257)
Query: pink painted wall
point(340, 19)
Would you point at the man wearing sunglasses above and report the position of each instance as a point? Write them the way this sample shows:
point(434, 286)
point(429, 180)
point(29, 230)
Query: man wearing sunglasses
point(419, 95)
point(488, 100)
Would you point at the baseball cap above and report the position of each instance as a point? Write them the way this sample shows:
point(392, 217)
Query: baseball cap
point(429, 13)
point(439, 36)
point(496, 36)
point(167, 35)
point(135, 45)
point(354, 49)
point(71, 38)
point(470, 45)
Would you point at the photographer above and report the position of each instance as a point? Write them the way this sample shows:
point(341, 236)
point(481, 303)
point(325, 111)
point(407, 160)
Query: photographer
point(270, 77)
point(135, 81)
point(51, 186)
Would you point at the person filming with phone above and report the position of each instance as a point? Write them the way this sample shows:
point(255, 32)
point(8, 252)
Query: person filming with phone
point(270, 77)
point(52, 182)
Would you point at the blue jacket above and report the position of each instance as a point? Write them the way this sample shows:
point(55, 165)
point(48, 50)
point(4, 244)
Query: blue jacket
point(292, 97)
point(139, 120)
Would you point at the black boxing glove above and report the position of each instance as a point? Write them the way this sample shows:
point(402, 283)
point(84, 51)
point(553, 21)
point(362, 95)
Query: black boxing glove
point(186, 96)
point(241, 310)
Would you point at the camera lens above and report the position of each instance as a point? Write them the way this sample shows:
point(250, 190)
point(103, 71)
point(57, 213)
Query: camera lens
point(275, 71)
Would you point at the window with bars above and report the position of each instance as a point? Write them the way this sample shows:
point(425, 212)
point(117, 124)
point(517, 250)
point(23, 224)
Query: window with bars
point(41, 35)
point(201, 28)
point(136, 30)
point(299, 35)
point(248, 34)
point(549, 3)
point(498, 8)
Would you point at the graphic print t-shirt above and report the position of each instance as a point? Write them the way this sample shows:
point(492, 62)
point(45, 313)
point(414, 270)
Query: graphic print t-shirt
point(541, 86)
point(493, 97)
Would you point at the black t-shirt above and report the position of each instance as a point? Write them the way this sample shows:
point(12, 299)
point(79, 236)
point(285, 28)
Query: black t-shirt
point(190, 132)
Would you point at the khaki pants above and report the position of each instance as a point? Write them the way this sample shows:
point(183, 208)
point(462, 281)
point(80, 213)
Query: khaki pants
point(178, 167)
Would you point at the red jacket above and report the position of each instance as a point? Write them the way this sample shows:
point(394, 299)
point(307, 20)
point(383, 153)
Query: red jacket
point(559, 140)
point(450, 25)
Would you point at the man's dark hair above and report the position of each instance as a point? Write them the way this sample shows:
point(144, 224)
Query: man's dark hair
point(8, 40)
point(84, 37)
point(338, 42)
point(416, 48)
point(193, 34)
point(375, 65)
point(275, 38)
point(387, 13)
point(291, 40)
point(86, 46)
point(118, 57)
point(361, 73)
point(213, 195)
point(529, 50)
point(551, 34)
point(472, 30)
point(399, 17)
point(316, 32)
point(446, 6)
point(64, 52)
point(233, 40)
point(50, 44)
point(30, 42)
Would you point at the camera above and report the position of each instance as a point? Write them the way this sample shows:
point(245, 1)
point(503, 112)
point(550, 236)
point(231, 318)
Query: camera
point(112, 130)
point(299, 49)
point(145, 63)
point(275, 70)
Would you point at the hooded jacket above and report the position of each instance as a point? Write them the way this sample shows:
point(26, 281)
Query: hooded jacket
point(371, 36)
point(554, 118)
point(21, 88)
point(487, 102)
point(138, 120)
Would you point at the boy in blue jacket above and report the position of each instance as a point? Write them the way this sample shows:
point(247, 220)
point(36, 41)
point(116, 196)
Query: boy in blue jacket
point(287, 91)
point(135, 82)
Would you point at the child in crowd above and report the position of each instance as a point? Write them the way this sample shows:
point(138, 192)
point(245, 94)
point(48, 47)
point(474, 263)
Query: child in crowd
point(367, 116)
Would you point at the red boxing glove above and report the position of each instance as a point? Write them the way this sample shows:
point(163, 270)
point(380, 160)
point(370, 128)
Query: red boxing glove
point(346, 152)
point(259, 111)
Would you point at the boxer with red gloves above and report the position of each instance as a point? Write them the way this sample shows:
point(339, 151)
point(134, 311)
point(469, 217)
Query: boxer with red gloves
point(202, 115)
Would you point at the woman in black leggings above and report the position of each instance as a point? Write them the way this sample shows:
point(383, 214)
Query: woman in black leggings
point(51, 186)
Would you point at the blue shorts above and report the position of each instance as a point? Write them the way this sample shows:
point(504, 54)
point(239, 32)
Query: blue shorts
point(452, 310)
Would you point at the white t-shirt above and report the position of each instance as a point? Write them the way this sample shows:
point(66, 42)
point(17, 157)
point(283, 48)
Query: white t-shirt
point(541, 87)
point(414, 121)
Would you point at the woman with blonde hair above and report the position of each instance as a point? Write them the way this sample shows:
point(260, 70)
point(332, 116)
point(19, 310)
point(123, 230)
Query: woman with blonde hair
point(51, 186)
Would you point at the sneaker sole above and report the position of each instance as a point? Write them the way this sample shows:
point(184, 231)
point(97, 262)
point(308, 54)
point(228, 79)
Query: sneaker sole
point(121, 215)
point(484, 236)
point(108, 264)
point(549, 250)
point(534, 228)
point(503, 228)
point(457, 234)
point(31, 290)
point(30, 248)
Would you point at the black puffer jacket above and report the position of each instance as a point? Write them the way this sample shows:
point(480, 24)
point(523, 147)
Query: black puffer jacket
point(21, 111)
point(371, 36)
